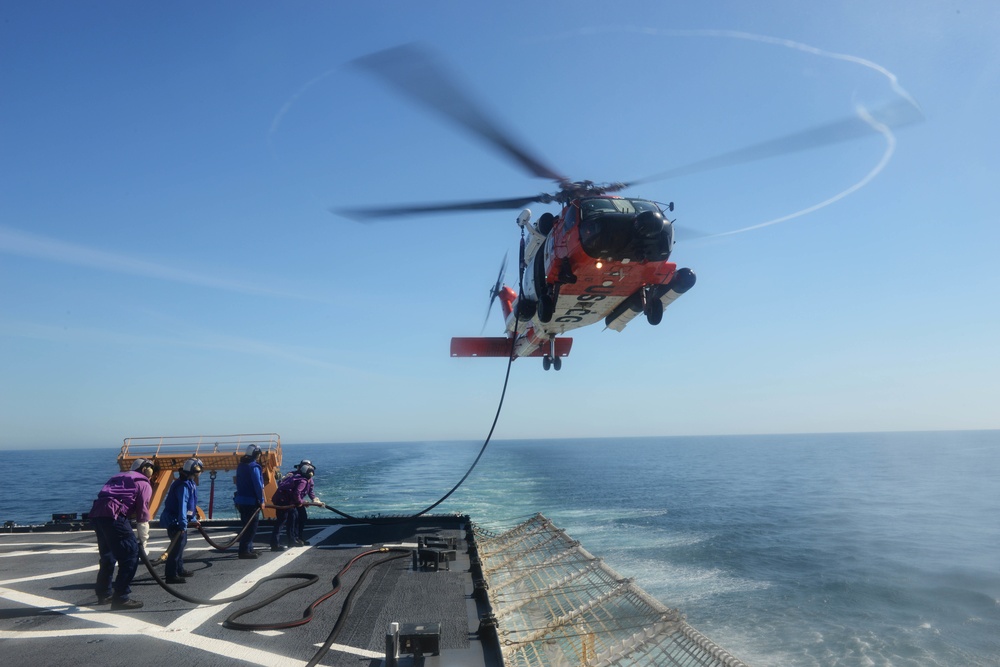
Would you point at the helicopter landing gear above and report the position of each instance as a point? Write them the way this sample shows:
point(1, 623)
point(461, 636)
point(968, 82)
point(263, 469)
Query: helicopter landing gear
point(546, 308)
point(525, 309)
point(654, 311)
point(551, 360)
point(652, 307)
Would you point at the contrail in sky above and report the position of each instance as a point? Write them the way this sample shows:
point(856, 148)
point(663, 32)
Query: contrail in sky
point(23, 244)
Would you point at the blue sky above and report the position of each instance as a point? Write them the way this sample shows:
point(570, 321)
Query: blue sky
point(169, 263)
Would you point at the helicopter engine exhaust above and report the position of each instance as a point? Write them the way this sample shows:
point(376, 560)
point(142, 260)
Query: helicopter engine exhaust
point(682, 281)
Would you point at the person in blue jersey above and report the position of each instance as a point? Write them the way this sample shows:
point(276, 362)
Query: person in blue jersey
point(125, 495)
point(249, 498)
point(289, 497)
point(179, 511)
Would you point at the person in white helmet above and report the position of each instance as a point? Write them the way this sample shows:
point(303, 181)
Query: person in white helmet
point(125, 495)
point(179, 511)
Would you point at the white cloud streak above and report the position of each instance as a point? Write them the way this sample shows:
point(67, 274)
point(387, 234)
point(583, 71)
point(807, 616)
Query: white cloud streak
point(24, 244)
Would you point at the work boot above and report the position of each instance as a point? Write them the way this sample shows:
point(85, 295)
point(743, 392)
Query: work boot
point(125, 605)
point(176, 580)
point(249, 554)
point(103, 599)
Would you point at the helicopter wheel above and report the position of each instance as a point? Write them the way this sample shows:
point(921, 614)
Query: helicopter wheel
point(654, 311)
point(546, 362)
point(525, 310)
point(546, 308)
point(556, 363)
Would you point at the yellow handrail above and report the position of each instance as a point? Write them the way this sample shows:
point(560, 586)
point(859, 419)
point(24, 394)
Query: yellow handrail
point(217, 452)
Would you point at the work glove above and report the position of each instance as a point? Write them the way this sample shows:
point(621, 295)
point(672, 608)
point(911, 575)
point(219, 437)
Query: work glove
point(143, 533)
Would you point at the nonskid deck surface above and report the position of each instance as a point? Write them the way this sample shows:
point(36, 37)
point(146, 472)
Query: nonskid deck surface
point(49, 613)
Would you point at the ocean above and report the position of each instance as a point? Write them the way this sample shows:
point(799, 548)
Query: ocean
point(835, 549)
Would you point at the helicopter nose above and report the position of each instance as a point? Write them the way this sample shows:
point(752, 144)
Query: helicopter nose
point(649, 224)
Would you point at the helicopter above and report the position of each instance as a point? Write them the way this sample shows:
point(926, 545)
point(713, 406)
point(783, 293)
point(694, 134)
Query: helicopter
point(603, 256)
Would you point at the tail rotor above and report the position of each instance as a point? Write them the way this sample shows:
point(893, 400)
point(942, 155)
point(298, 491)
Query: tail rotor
point(495, 290)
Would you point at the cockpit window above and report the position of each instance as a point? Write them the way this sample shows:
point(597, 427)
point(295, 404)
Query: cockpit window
point(601, 205)
point(619, 228)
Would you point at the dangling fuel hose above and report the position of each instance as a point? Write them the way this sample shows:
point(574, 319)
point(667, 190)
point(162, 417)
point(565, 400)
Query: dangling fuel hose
point(482, 450)
point(231, 621)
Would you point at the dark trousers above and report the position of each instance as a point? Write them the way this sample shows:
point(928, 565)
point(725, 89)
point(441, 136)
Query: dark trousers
point(175, 559)
point(115, 543)
point(301, 525)
point(250, 517)
point(289, 520)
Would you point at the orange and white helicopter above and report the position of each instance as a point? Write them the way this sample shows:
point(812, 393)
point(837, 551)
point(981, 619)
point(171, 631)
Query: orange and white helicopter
point(603, 257)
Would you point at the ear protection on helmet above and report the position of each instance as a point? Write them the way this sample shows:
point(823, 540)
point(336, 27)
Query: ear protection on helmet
point(307, 470)
point(193, 466)
point(139, 464)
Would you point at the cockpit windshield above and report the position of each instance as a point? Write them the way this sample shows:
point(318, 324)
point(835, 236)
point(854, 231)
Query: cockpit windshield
point(624, 229)
point(601, 205)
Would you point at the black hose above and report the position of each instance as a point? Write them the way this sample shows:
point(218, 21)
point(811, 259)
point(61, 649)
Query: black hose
point(308, 580)
point(482, 450)
point(307, 615)
point(236, 539)
point(345, 611)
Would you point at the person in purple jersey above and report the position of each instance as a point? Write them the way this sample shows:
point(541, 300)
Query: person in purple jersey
point(125, 495)
point(289, 497)
point(301, 510)
point(179, 511)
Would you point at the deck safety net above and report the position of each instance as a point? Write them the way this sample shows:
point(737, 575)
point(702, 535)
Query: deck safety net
point(556, 605)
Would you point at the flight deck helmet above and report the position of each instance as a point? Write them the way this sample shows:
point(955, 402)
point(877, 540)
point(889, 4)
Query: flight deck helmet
point(253, 451)
point(193, 466)
point(306, 469)
point(139, 465)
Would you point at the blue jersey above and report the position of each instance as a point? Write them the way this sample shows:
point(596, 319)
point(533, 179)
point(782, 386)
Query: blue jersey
point(180, 504)
point(249, 484)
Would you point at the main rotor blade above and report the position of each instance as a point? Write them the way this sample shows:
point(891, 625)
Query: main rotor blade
point(413, 72)
point(364, 214)
point(893, 116)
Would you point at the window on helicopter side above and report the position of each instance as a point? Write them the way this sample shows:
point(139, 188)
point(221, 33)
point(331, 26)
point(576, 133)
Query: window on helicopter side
point(571, 212)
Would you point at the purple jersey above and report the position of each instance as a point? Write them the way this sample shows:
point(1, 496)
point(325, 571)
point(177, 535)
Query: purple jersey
point(125, 494)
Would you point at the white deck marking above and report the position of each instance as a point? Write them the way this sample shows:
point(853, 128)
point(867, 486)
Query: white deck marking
point(363, 652)
point(51, 575)
point(178, 632)
point(49, 552)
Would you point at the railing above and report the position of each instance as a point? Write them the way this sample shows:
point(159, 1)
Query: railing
point(196, 445)
point(217, 452)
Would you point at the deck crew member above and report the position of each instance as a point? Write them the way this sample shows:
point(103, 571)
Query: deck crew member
point(301, 510)
point(249, 498)
point(178, 513)
point(287, 499)
point(126, 494)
